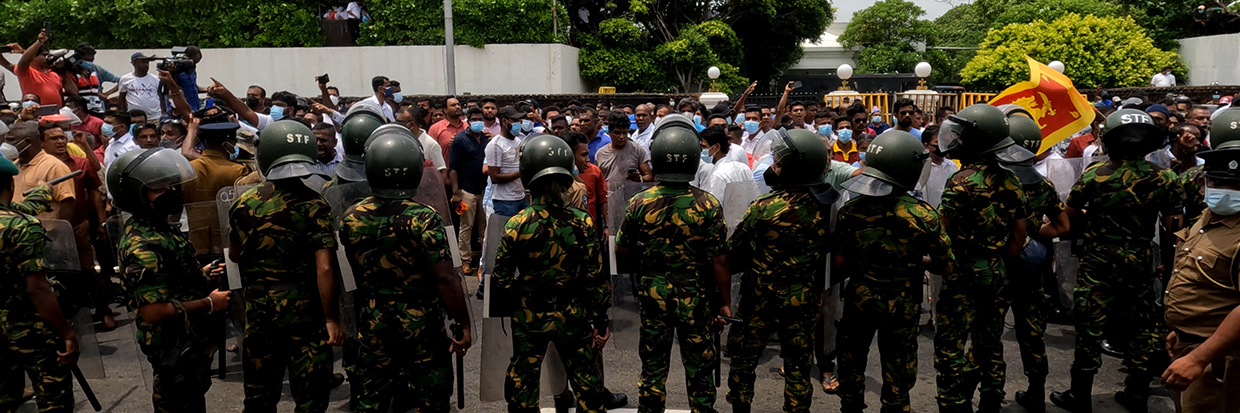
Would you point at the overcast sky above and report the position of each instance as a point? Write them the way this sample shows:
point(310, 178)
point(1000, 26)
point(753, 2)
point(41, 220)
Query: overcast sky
point(933, 8)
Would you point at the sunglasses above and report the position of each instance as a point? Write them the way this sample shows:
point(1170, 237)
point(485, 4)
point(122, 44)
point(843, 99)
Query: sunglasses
point(907, 112)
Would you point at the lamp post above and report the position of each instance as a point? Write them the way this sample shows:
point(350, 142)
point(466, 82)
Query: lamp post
point(714, 96)
point(713, 72)
point(922, 71)
point(845, 72)
point(1057, 65)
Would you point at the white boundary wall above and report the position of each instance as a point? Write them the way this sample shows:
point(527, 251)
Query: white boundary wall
point(1212, 59)
point(495, 69)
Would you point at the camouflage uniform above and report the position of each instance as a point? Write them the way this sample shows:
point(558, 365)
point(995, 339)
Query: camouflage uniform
point(679, 230)
point(783, 243)
point(982, 201)
point(550, 267)
point(159, 267)
point(1194, 197)
point(27, 343)
point(885, 240)
point(277, 229)
point(36, 203)
point(1114, 290)
point(392, 245)
point(1030, 300)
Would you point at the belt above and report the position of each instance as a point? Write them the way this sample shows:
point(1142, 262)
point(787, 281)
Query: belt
point(269, 286)
point(673, 275)
point(1188, 338)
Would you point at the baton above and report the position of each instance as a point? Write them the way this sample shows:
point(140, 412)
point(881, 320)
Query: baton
point(460, 368)
point(718, 360)
point(67, 177)
point(90, 394)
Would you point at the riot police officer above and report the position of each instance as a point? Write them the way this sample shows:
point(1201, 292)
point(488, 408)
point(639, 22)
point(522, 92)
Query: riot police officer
point(1124, 196)
point(35, 338)
point(549, 278)
point(885, 234)
point(170, 293)
point(781, 245)
point(282, 239)
point(403, 268)
point(678, 234)
point(983, 211)
point(359, 123)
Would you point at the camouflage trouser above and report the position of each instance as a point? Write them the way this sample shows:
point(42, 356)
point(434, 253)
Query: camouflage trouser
point(973, 305)
point(669, 310)
point(572, 340)
point(285, 330)
point(894, 315)
point(31, 349)
point(1115, 295)
point(183, 390)
point(403, 345)
point(765, 310)
point(1030, 305)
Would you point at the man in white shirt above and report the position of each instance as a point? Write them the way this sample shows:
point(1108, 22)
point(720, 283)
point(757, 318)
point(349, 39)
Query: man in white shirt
point(502, 164)
point(643, 116)
point(412, 118)
point(139, 89)
point(1163, 79)
point(715, 143)
point(281, 103)
point(941, 169)
point(380, 86)
point(755, 126)
point(117, 124)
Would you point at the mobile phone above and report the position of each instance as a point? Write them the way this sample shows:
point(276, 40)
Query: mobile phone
point(796, 84)
point(633, 171)
point(323, 79)
point(46, 110)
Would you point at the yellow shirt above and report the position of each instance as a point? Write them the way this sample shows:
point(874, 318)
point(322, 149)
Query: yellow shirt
point(41, 169)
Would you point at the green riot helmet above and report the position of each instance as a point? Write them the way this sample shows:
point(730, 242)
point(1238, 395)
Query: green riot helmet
point(544, 156)
point(135, 172)
point(1026, 133)
point(893, 164)
point(1131, 134)
point(977, 130)
point(802, 157)
point(1021, 157)
point(360, 122)
point(393, 162)
point(288, 149)
point(1225, 129)
point(675, 150)
point(1223, 160)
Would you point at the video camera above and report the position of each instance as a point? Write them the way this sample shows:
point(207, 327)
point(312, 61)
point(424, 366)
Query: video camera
point(65, 59)
point(178, 63)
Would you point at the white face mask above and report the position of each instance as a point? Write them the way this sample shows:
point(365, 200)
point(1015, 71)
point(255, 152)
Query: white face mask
point(1224, 202)
point(335, 100)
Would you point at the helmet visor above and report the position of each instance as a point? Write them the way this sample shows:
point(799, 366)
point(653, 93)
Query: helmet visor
point(868, 185)
point(949, 134)
point(294, 170)
point(1015, 154)
point(1027, 174)
point(161, 168)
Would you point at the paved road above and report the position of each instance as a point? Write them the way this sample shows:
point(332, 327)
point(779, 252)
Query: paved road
point(124, 390)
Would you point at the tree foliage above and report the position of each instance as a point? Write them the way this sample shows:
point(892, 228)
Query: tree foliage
point(887, 32)
point(772, 31)
point(1097, 51)
point(475, 22)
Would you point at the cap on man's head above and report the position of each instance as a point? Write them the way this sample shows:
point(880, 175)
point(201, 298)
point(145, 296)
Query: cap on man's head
point(139, 56)
point(1158, 108)
point(221, 129)
point(511, 113)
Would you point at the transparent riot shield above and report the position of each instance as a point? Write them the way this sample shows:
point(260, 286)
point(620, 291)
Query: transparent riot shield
point(1066, 267)
point(625, 314)
point(236, 308)
point(72, 286)
point(1064, 173)
point(737, 198)
point(342, 198)
point(203, 219)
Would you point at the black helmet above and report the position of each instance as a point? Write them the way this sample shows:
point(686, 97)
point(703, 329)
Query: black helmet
point(893, 160)
point(288, 149)
point(802, 157)
point(393, 162)
point(675, 149)
point(135, 172)
point(976, 130)
point(1131, 134)
point(360, 123)
point(542, 156)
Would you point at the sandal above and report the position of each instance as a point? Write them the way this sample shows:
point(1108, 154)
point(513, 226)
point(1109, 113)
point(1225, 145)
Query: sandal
point(830, 384)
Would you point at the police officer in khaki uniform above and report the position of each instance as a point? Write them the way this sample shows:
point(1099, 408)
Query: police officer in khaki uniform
point(1204, 290)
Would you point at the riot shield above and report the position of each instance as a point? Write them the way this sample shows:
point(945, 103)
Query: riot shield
point(224, 199)
point(625, 314)
point(72, 286)
point(341, 198)
point(1064, 173)
point(203, 219)
point(737, 197)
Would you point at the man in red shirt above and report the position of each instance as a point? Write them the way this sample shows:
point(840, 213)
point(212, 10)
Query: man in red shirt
point(90, 123)
point(1076, 147)
point(452, 124)
point(592, 176)
point(37, 77)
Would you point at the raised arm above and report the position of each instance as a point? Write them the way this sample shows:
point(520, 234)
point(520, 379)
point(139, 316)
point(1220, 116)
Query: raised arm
point(783, 104)
point(180, 106)
point(32, 51)
point(740, 103)
point(244, 112)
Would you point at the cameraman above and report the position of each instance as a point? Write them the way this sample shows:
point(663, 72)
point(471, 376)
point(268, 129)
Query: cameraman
point(90, 78)
point(36, 76)
point(187, 76)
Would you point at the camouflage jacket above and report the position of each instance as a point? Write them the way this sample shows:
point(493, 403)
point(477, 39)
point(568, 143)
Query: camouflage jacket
point(277, 229)
point(38, 202)
point(550, 265)
point(22, 240)
point(678, 229)
point(1041, 200)
point(983, 202)
point(1194, 195)
point(1123, 200)
point(159, 266)
point(783, 239)
point(391, 245)
point(883, 240)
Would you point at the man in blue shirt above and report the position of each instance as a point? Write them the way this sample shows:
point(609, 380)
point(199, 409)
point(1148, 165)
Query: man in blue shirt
point(465, 157)
point(188, 78)
point(905, 111)
point(590, 127)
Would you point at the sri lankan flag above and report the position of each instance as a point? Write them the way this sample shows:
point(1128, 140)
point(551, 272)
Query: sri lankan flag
point(1052, 100)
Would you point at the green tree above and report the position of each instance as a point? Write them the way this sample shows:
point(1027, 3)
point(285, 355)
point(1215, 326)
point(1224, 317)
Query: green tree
point(886, 32)
point(772, 32)
point(475, 22)
point(1097, 51)
point(617, 55)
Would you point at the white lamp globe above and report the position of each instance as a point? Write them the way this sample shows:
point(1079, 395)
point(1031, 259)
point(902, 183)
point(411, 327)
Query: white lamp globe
point(713, 72)
point(845, 71)
point(1057, 65)
point(922, 69)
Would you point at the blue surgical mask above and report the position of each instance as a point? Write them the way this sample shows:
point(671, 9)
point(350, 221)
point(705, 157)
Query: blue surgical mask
point(604, 129)
point(739, 119)
point(388, 92)
point(397, 97)
point(30, 103)
point(697, 119)
point(277, 112)
point(877, 119)
point(751, 127)
point(845, 135)
point(131, 127)
point(706, 156)
point(862, 154)
point(632, 118)
point(515, 129)
point(235, 153)
point(527, 126)
point(1215, 98)
point(575, 170)
point(1223, 202)
point(107, 130)
point(824, 130)
point(476, 126)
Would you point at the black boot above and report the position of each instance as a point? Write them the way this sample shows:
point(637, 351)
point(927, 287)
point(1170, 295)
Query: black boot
point(614, 401)
point(1034, 399)
point(740, 408)
point(564, 403)
point(1077, 399)
point(1136, 393)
